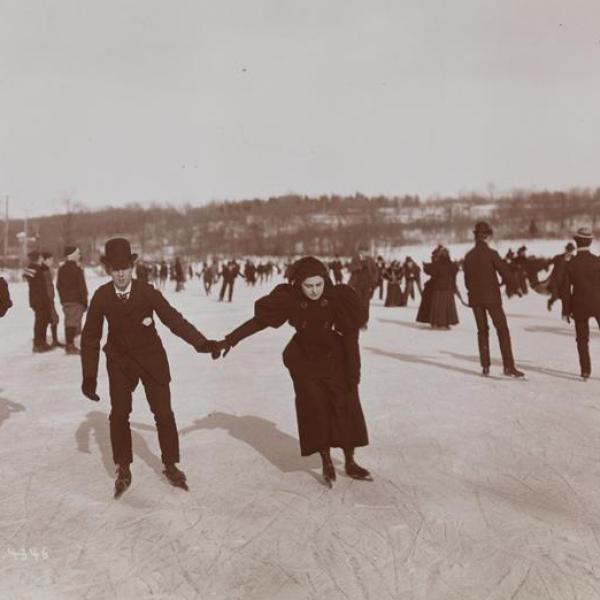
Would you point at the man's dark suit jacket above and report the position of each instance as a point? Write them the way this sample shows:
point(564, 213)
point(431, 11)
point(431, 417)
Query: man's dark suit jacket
point(581, 288)
point(482, 266)
point(132, 338)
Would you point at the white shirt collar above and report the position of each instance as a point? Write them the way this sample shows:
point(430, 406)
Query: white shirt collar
point(127, 290)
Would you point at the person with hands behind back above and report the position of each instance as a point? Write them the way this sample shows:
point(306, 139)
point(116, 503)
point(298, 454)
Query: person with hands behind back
point(134, 352)
point(580, 292)
point(322, 357)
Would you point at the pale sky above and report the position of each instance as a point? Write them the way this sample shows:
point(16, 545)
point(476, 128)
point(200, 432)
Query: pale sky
point(117, 101)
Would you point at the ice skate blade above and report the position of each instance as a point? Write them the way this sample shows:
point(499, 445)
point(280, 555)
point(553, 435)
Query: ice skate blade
point(120, 490)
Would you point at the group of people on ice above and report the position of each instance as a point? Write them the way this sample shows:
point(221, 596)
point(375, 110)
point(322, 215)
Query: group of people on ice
point(323, 355)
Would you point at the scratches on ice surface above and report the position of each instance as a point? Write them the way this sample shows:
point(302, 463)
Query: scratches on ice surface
point(484, 489)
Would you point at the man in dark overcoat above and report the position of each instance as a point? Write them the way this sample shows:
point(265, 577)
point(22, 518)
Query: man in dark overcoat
point(5, 301)
point(39, 301)
point(134, 352)
point(73, 294)
point(481, 268)
point(581, 295)
point(229, 272)
point(364, 275)
point(556, 279)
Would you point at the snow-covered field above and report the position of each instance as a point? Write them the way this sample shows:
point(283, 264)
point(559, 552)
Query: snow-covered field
point(485, 489)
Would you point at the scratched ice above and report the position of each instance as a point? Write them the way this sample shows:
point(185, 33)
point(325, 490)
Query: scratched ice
point(484, 488)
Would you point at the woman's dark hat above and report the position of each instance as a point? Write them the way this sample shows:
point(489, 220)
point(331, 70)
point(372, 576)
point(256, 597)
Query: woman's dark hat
point(305, 267)
point(117, 254)
point(483, 227)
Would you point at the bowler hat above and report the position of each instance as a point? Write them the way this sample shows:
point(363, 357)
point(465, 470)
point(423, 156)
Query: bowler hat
point(584, 233)
point(117, 254)
point(482, 227)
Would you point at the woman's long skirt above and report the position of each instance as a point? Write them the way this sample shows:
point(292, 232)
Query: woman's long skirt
point(329, 414)
point(443, 309)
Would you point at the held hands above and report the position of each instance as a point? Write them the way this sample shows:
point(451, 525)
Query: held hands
point(216, 348)
point(88, 387)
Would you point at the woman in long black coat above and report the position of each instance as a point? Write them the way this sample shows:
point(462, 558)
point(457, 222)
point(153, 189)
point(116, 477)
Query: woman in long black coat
point(443, 272)
point(322, 357)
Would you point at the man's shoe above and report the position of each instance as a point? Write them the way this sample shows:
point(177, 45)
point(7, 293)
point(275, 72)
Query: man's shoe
point(72, 349)
point(175, 476)
point(123, 480)
point(41, 347)
point(513, 372)
point(585, 375)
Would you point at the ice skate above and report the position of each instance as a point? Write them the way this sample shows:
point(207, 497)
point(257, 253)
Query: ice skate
point(513, 372)
point(329, 475)
point(357, 472)
point(176, 476)
point(123, 480)
point(485, 371)
point(585, 375)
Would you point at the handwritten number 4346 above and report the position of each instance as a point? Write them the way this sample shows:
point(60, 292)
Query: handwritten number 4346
point(28, 554)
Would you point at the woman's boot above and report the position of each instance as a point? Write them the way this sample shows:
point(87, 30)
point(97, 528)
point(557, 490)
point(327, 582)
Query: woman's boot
point(328, 468)
point(354, 470)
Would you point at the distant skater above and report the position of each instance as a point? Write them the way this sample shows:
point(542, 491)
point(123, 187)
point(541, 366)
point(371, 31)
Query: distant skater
point(442, 313)
point(323, 359)
point(481, 268)
point(581, 295)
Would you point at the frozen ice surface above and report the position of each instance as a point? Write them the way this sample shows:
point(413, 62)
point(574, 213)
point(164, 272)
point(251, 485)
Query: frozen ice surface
point(485, 489)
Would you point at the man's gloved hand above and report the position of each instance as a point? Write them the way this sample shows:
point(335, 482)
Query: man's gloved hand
point(88, 387)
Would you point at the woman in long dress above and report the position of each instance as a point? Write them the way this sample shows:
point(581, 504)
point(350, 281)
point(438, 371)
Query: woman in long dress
point(443, 288)
point(322, 357)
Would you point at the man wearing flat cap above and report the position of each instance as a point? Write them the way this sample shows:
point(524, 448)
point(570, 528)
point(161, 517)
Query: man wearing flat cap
point(481, 267)
point(581, 295)
point(134, 352)
point(73, 295)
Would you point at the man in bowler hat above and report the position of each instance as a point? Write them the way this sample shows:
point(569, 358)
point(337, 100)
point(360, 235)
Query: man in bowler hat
point(581, 295)
point(134, 352)
point(481, 268)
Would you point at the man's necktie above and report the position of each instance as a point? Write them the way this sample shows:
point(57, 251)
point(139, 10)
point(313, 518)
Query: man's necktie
point(123, 297)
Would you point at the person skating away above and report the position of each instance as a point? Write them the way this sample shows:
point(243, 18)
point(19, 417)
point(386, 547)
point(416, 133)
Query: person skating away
point(5, 301)
point(179, 275)
point(229, 272)
point(134, 352)
point(47, 264)
point(556, 279)
point(442, 313)
point(364, 275)
point(322, 357)
point(381, 266)
point(39, 301)
point(336, 267)
point(73, 294)
point(412, 279)
point(581, 295)
point(481, 268)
